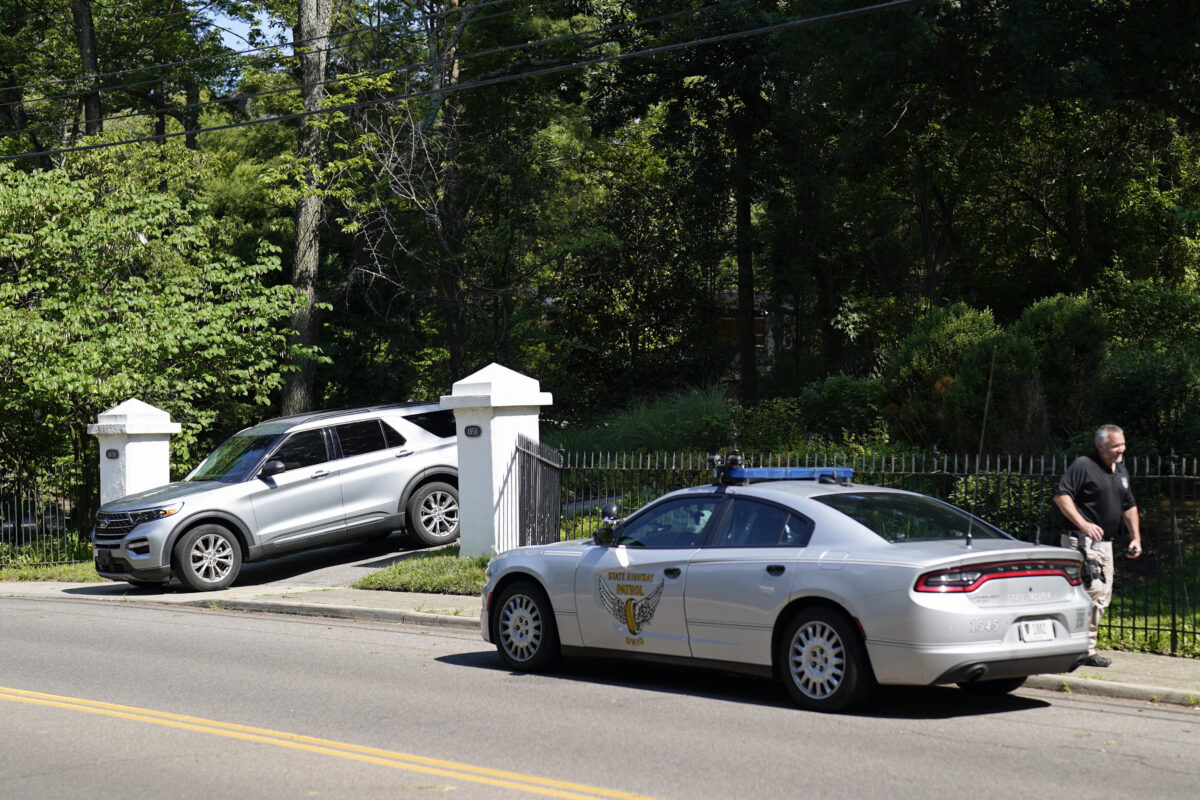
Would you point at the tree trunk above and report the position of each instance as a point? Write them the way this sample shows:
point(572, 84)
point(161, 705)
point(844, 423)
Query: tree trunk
point(745, 271)
point(85, 34)
point(312, 29)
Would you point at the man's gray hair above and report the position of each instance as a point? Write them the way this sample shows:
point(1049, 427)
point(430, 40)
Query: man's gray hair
point(1103, 432)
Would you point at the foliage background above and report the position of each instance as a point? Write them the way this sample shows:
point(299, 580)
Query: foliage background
point(964, 226)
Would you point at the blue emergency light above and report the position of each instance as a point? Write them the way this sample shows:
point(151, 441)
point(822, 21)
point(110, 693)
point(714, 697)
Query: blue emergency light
point(731, 469)
point(838, 474)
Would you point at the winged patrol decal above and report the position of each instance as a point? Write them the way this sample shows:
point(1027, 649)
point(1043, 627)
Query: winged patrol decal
point(627, 602)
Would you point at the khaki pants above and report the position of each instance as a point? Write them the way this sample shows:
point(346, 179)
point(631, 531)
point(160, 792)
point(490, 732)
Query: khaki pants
point(1101, 593)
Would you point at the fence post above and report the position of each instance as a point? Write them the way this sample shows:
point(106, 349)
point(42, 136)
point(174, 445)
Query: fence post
point(135, 453)
point(492, 408)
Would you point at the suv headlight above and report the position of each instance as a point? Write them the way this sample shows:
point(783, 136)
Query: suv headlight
point(151, 514)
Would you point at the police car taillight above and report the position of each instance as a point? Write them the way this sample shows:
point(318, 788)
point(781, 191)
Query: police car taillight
point(968, 579)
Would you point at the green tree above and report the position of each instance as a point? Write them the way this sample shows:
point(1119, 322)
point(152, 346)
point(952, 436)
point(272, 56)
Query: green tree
point(113, 292)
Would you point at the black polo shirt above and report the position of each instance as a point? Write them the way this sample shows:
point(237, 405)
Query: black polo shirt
point(1100, 495)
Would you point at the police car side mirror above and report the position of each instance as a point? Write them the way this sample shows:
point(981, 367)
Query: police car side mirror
point(606, 533)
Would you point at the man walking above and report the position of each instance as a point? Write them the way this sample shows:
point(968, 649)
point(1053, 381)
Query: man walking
point(1094, 496)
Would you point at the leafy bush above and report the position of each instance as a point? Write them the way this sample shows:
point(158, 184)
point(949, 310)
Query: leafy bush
point(917, 377)
point(685, 420)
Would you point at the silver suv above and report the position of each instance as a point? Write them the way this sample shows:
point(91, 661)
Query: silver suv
point(288, 484)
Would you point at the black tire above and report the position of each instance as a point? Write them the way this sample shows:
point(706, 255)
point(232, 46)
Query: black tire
point(207, 558)
point(523, 628)
point(433, 514)
point(993, 688)
point(823, 661)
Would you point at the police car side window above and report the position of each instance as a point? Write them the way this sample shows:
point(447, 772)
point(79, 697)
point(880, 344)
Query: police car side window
point(753, 524)
point(675, 523)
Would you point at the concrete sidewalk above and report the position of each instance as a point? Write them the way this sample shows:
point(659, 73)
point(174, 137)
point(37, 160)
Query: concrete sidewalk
point(1133, 676)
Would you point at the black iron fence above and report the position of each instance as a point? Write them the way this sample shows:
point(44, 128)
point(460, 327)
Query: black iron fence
point(540, 469)
point(46, 515)
point(1156, 602)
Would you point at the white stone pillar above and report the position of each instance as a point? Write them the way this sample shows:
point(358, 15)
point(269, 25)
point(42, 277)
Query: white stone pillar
point(135, 451)
point(491, 407)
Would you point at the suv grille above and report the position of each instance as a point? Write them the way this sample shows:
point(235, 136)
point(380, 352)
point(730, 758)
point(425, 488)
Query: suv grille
point(111, 527)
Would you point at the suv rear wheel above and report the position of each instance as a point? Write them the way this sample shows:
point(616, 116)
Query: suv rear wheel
point(207, 558)
point(433, 514)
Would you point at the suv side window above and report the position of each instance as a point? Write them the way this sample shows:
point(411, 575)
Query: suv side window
point(360, 437)
point(302, 450)
point(393, 437)
point(751, 524)
point(439, 423)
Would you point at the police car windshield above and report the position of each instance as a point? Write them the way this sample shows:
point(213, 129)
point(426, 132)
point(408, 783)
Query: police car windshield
point(234, 459)
point(910, 518)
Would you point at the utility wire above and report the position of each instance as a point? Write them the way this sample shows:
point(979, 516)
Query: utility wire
point(253, 50)
point(389, 70)
point(779, 27)
point(125, 87)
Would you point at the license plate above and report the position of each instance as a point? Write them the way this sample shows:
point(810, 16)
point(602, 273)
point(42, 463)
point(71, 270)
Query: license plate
point(1037, 630)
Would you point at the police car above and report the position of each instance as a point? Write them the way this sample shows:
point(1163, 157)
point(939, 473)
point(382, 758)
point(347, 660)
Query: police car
point(831, 587)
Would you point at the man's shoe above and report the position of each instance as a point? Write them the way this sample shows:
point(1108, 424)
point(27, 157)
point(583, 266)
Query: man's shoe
point(1097, 660)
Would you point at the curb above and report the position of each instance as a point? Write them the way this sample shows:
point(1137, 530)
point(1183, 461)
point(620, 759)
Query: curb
point(343, 612)
point(1124, 691)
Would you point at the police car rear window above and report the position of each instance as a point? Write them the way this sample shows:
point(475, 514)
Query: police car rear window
point(910, 518)
point(439, 423)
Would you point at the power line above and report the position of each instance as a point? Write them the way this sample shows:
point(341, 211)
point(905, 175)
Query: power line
point(125, 87)
point(776, 28)
point(416, 66)
point(253, 50)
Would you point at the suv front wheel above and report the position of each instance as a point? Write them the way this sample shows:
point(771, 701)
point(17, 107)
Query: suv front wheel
point(207, 558)
point(433, 514)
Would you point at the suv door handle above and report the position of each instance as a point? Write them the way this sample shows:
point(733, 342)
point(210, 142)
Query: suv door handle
point(403, 453)
point(321, 473)
point(671, 572)
point(775, 569)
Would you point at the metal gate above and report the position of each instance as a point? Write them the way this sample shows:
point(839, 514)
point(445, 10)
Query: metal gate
point(539, 468)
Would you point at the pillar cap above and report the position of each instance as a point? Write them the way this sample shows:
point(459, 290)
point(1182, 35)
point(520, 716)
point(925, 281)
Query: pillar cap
point(133, 417)
point(495, 386)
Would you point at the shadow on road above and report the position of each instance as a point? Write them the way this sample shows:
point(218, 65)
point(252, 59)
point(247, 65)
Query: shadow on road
point(889, 702)
point(335, 565)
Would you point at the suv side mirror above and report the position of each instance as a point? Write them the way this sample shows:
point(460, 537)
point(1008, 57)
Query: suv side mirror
point(272, 467)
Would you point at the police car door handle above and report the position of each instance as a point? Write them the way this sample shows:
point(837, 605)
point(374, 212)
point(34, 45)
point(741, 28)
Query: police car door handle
point(321, 473)
point(672, 572)
point(775, 569)
point(403, 453)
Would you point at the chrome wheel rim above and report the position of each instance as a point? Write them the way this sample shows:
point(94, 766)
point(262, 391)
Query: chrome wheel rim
point(817, 660)
point(520, 627)
point(212, 558)
point(439, 514)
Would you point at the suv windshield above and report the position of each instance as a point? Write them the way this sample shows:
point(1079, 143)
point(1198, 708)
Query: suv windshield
point(233, 460)
point(910, 518)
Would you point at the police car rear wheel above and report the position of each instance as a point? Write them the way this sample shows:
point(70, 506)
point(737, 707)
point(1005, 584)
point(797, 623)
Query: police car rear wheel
point(823, 661)
point(525, 634)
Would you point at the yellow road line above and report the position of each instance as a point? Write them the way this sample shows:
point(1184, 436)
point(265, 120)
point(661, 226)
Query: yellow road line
point(294, 741)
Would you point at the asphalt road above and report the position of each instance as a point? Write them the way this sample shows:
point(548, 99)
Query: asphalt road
point(110, 700)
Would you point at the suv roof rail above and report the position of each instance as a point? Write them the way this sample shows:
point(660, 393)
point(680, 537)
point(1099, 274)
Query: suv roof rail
point(342, 412)
point(731, 470)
